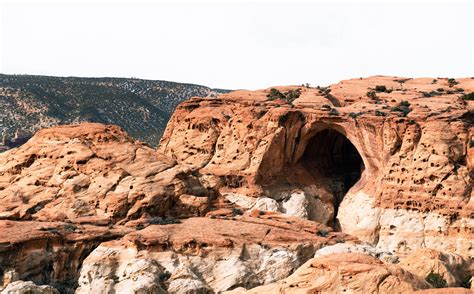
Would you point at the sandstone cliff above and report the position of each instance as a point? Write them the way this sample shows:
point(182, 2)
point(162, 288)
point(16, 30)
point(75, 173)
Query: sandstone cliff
point(389, 159)
point(363, 186)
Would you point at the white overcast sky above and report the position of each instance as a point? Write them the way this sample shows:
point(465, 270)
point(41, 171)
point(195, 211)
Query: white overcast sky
point(237, 44)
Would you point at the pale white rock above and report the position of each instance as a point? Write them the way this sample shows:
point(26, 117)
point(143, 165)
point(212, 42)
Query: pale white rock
point(296, 205)
point(358, 248)
point(112, 270)
point(240, 199)
point(188, 286)
point(10, 276)
point(267, 204)
point(232, 272)
point(358, 216)
point(277, 265)
point(184, 280)
point(23, 287)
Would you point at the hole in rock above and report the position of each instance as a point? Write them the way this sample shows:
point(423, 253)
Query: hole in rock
point(332, 158)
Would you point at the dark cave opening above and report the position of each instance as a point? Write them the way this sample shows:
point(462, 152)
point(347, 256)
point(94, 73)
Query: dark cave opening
point(329, 155)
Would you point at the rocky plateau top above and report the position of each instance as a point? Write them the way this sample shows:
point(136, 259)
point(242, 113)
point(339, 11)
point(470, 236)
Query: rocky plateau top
point(364, 186)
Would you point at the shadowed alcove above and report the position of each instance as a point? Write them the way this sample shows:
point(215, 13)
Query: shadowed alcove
point(329, 154)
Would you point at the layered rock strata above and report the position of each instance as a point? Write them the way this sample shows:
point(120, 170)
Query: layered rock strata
point(386, 159)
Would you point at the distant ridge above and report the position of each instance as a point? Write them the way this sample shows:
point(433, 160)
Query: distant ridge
point(141, 107)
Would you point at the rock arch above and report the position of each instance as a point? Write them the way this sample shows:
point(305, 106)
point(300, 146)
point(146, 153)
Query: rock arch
point(330, 157)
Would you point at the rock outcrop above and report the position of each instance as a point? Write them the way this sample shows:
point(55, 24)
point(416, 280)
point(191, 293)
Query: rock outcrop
point(344, 272)
point(183, 258)
point(386, 159)
point(363, 186)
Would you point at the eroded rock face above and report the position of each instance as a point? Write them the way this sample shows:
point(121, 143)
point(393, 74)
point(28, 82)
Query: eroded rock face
point(93, 173)
point(245, 189)
point(412, 188)
point(183, 258)
point(344, 272)
point(71, 188)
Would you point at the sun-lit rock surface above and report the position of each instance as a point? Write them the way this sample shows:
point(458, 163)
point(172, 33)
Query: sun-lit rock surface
point(253, 190)
point(414, 138)
point(245, 251)
point(344, 272)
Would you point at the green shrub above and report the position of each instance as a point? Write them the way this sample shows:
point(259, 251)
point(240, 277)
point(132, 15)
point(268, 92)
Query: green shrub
point(275, 94)
point(436, 280)
point(322, 233)
point(379, 113)
point(292, 95)
point(163, 221)
point(371, 94)
point(355, 115)
point(466, 282)
point(452, 82)
point(380, 88)
point(404, 103)
point(403, 107)
point(289, 96)
point(469, 96)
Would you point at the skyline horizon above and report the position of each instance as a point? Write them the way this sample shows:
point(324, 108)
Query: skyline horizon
point(248, 45)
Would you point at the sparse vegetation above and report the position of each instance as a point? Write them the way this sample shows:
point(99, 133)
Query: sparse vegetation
point(403, 107)
point(382, 88)
point(70, 228)
point(469, 97)
point(237, 211)
point(452, 82)
point(163, 221)
point(354, 115)
point(431, 94)
point(371, 94)
point(322, 233)
point(333, 111)
point(289, 96)
point(380, 113)
point(466, 282)
point(436, 280)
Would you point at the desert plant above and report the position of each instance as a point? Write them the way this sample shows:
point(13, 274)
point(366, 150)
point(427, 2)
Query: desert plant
point(163, 221)
point(354, 115)
point(452, 82)
point(403, 107)
point(466, 282)
point(436, 280)
point(333, 111)
point(371, 94)
point(292, 95)
point(275, 94)
point(382, 88)
point(289, 96)
point(322, 233)
point(469, 96)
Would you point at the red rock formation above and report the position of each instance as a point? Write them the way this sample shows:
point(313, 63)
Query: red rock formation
point(413, 136)
point(241, 189)
point(344, 272)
